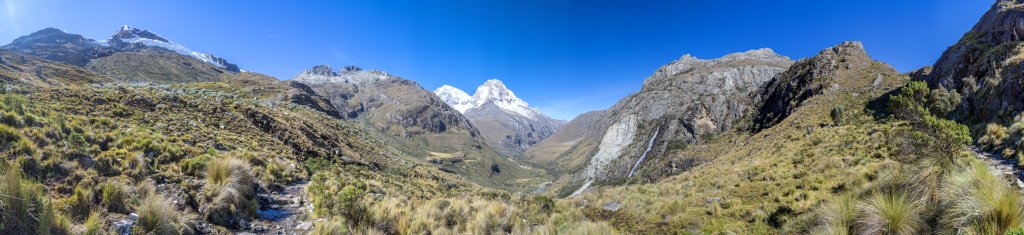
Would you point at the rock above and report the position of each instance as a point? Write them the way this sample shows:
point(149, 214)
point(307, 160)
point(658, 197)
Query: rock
point(985, 66)
point(123, 227)
point(611, 206)
point(133, 217)
point(304, 226)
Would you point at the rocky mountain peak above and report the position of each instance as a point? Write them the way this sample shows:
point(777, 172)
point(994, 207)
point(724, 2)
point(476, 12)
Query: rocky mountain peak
point(127, 33)
point(322, 70)
point(494, 90)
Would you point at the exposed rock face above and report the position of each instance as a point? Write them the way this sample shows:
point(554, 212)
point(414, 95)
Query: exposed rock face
point(808, 77)
point(985, 66)
point(508, 123)
point(56, 45)
point(682, 101)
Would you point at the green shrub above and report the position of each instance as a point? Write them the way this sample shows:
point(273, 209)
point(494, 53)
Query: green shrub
point(942, 102)
point(330, 197)
point(114, 197)
point(1015, 231)
point(229, 192)
point(837, 116)
point(909, 103)
point(157, 216)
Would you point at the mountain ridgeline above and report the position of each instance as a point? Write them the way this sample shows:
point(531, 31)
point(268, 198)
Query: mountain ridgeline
point(139, 134)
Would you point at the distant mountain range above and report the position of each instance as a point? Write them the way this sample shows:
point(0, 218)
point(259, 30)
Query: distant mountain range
point(57, 45)
point(507, 122)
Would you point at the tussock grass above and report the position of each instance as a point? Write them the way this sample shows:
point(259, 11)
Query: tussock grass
point(114, 196)
point(157, 216)
point(230, 192)
point(979, 202)
point(893, 212)
point(24, 208)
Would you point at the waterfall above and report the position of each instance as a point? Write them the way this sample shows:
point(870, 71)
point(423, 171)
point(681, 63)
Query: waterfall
point(644, 156)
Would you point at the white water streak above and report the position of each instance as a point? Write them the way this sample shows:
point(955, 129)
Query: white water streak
point(644, 156)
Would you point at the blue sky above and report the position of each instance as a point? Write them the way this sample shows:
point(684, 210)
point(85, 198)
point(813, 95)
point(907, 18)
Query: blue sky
point(564, 57)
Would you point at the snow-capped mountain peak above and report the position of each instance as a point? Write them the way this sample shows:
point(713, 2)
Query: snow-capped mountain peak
point(456, 98)
point(129, 37)
point(492, 91)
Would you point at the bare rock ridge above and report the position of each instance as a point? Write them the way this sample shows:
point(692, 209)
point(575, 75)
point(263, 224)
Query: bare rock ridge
point(985, 66)
point(682, 102)
point(507, 123)
point(808, 77)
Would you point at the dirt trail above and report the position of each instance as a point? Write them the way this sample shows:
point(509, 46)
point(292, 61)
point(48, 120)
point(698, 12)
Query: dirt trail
point(1007, 167)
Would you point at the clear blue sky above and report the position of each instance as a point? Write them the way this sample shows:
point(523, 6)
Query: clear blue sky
point(565, 57)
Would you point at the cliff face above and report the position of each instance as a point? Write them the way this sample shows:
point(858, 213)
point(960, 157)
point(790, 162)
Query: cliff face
point(985, 66)
point(679, 104)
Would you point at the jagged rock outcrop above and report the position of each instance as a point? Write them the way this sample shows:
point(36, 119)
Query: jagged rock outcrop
point(986, 67)
point(808, 77)
point(508, 123)
point(681, 103)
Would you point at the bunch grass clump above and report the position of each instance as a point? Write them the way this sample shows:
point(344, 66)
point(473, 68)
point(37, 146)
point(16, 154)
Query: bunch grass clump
point(229, 192)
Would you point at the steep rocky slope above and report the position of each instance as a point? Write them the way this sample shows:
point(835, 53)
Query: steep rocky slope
point(508, 123)
point(415, 121)
point(985, 66)
point(808, 78)
point(682, 103)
